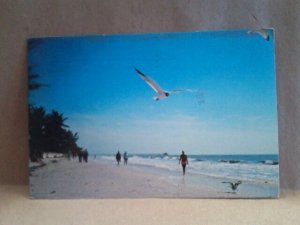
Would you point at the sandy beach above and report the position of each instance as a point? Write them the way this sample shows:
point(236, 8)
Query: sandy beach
point(60, 178)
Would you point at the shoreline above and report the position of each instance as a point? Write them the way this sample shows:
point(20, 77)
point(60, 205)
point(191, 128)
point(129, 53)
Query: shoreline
point(103, 179)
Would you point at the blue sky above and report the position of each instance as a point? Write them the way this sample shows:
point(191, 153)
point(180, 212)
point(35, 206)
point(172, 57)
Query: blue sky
point(92, 81)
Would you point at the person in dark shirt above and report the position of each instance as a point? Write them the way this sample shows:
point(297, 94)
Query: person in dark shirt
point(85, 155)
point(125, 156)
point(118, 157)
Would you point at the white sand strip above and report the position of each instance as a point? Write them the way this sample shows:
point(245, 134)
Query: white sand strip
point(103, 179)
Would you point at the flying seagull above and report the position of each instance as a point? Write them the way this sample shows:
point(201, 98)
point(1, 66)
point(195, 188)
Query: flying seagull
point(262, 32)
point(233, 186)
point(161, 93)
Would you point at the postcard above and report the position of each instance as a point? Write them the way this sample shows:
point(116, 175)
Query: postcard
point(159, 115)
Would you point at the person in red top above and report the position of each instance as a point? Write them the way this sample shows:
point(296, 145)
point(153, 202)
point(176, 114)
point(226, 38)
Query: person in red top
point(184, 161)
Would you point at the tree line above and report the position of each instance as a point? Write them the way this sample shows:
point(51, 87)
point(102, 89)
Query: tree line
point(48, 131)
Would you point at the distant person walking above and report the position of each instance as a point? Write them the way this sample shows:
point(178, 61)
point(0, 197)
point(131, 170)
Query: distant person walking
point(69, 155)
point(80, 155)
point(118, 157)
point(125, 157)
point(85, 155)
point(184, 161)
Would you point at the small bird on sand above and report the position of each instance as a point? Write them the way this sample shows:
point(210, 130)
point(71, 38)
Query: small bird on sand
point(233, 186)
point(161, 93)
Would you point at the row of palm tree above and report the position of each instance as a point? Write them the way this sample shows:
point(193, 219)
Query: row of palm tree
point(48, 131)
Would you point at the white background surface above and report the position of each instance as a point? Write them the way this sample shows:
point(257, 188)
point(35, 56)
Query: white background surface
point(16, 208)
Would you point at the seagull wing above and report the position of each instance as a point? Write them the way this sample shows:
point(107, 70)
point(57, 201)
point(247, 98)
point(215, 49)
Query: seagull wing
point(181, 90)
point(225, 182)
point(230, 183)
point(150, 82)
point(262, 32)
point(254, 17)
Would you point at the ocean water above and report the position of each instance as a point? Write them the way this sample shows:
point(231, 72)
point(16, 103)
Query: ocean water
point(254, 168)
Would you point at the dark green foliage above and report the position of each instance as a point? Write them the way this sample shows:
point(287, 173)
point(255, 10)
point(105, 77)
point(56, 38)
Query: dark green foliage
point(37, 116)
point(32, 83)
point(55, 132)
point(49, 133)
